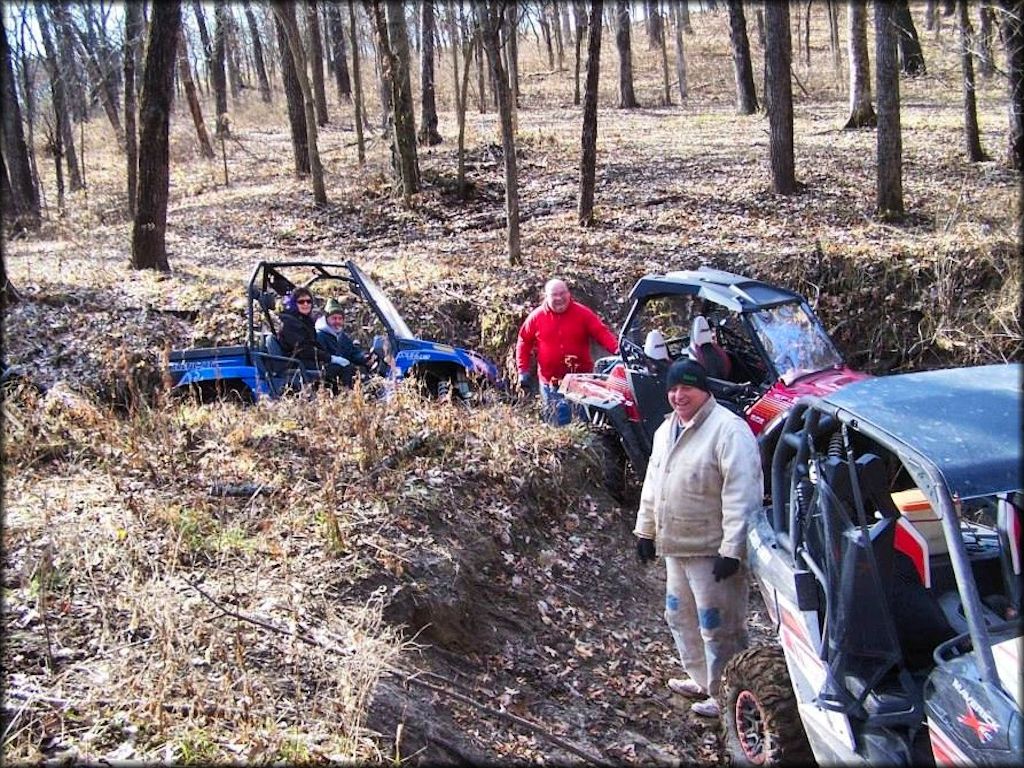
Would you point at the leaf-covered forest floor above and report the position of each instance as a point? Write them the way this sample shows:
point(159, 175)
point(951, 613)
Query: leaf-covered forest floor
point(342, 578)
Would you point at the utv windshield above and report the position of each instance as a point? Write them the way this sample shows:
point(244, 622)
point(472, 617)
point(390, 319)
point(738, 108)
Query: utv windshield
point(387, 311)
point(794, 340)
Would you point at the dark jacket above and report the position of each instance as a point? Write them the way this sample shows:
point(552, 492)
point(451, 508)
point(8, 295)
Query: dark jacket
point(298, 339)
point(338, 343)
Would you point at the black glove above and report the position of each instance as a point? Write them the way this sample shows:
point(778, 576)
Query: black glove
point(525, 381)
point(645, 550)
point(724, 567)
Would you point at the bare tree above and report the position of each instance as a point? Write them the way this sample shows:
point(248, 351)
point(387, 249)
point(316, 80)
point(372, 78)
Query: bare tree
point(257, 52)
point(627, 97)
point(778, 93)
point(972, 138)
point(59, 99)
point(357, 83)
point(862, 114)
point(22, 191)
point(316, 61)
point(428, 108)
point(149, 247)
point(889, 188)
point(341, 74)
point(681, 62)
point(663, 45)
point(133, 31)
point(911, 55)
point(746, 96)
point(588, 158)
point(285, 12)
point(294, 101)
point(196, 110)
point(220, 85)
point(581, 24)
point(491, 21)
point(986, 31)
point(461, 90)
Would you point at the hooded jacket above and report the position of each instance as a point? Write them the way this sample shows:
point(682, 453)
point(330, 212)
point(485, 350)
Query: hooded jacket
point(698, 490)
point(562, 341)
point(338, 342)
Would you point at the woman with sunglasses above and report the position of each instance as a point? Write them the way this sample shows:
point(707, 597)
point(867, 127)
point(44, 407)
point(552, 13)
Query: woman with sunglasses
point(298, 338)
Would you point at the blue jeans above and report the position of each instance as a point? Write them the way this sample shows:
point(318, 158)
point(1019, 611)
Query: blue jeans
point(555, 409)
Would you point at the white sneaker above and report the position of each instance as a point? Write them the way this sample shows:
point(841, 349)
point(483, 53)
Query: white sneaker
point(707, 708)
point(687, 687)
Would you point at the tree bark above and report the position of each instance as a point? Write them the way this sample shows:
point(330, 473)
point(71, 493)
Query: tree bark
point(285, 12)
point(185, 76)
point(428, 107)
point(479, 56)
point(972, 137)
point(746, 96)
point(986, 63)
point(911, 55)
point(681, 64)
point(217, 72)
point(316, 56)
point(231, 56)
point(778, 58)
point(341, 74)
point(627, 97)
point(862, 114)
point(588, 156)
point(24, 193)
point(491, 21)
point(578, 12)
point(133, 31)
point(257, 52)
point(461, 96)
point(58, 95)
point(357, 82)
point(511, 39)
point(684, 18)
point(293, 98)
point(1013, 40)
point(149, 248)
point(557, 29)
point(663, 44)
point(889, 140)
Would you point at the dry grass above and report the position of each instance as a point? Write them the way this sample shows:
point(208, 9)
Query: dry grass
point(110, 650)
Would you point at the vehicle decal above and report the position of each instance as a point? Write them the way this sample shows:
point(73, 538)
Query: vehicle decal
point(943, 748)
point(984, 727)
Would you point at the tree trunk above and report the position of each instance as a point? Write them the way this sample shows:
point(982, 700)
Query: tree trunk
point(972, 137)
point(986, 65)
point(257, 51)
point(341, 74)
point(746, 96)
point(428, 108)
point(217, 72)
point(357, 83)
point(511, 39)
point(559, 41)
point(59, 98)
point(778, 62)
point(204, 35)
point(285, 12)
point(577, 9)
point(149, 248)
point(667, 98)
point(24, 193)
point(889, 189)
point(316, 56)
point(1013, 40)
point(479, 55)
point(684, 18)
point(656, 26)
point(491, 20)
point(231, 57)
point(834, 46)
point(681, 64)
point(133, 30)
point(627, 98)
point(862, 114)
point(461, 97)
point(185, 76)
point(293, 98)
point(588, 157)
point(545, 29)
point(911, 55)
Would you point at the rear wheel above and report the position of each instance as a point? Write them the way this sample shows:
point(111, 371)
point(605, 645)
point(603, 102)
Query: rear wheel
point(612, 464)
point(760, 720)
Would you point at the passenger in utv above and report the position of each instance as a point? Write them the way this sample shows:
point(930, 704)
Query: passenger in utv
point(297, 336)
point(703, 478)
point(331, 337)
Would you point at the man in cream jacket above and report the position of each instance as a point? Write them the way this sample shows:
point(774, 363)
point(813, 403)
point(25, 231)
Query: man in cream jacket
point(703, 478)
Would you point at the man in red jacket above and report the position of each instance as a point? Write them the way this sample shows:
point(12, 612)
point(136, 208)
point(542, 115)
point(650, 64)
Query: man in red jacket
point(560, 330)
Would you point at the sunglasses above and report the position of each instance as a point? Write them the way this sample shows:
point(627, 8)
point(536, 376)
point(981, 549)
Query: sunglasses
point(303, 301)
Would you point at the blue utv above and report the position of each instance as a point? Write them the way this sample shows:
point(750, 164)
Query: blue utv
point(260, 368)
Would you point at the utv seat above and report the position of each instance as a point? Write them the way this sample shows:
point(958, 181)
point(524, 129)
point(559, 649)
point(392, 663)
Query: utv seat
point(284, 371)
point(706, 351)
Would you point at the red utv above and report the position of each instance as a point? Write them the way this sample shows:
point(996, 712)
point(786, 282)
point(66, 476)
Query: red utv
point(763, 347)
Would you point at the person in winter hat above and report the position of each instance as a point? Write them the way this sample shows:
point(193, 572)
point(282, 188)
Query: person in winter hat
point(297, 336)
point(703, 478)
point(331, 337)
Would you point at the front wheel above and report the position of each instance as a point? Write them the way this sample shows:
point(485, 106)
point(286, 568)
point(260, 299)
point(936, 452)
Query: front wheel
point(760, 720)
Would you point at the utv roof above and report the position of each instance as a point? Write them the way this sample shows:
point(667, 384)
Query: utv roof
point(965, 421)
point(735, 292)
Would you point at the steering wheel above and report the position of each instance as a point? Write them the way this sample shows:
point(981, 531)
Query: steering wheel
point(677, 346)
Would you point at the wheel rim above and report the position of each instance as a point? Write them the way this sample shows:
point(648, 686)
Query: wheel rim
point(750, 728)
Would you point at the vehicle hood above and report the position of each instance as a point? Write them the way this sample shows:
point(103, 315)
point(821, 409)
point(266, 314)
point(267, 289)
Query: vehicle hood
point(825, 382)
point(412, 351)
